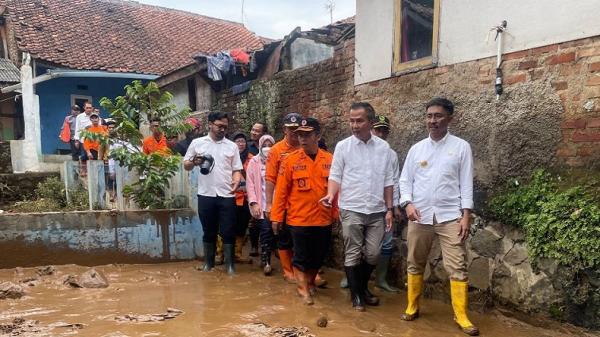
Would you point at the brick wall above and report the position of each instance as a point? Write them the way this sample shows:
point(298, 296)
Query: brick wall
point(549, 114)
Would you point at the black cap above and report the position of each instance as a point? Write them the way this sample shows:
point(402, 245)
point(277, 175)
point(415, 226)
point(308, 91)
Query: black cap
point(309, 124)
point(381, 122)
point(292, 119)
point(75, 108)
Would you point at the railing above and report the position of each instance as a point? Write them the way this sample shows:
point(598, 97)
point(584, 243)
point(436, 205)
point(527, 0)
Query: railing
point(105, 192)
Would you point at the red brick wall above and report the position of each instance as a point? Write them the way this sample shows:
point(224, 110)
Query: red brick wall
point(549, 114)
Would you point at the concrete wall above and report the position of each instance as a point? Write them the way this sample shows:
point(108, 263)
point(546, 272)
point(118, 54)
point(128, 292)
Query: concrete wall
point(374, 40)
point(306, 52)
point(100, 237)
point(464, 25)
point(55, 102)
point(179, 89)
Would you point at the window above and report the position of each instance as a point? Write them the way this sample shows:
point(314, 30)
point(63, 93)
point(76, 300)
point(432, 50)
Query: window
point(416, 34)
point(80, 100)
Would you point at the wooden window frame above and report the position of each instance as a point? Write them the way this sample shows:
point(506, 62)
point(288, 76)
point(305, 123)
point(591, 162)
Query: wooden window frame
point(400, 67)
point(76, 97)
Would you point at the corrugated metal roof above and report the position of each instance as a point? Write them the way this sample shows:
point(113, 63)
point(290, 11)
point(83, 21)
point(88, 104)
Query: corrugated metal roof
point(9, 73)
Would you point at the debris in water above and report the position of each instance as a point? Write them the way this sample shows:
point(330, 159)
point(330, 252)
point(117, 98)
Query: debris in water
point(67, 325)
point(72, 281)
point(20, 327)
point(290, 332)
point(11, 290)
point(170, 314)
point(45, 271)
point(322, 322)
point(92, 279)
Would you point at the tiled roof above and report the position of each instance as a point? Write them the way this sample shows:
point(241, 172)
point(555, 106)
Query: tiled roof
point(9, 72)
point(119, 35)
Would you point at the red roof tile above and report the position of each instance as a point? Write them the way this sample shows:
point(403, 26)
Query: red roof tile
point(120, 36)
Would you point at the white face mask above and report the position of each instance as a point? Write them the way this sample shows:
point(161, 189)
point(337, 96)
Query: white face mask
point(265, 151)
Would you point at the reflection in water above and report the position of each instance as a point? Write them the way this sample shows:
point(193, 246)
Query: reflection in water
point(215, 304)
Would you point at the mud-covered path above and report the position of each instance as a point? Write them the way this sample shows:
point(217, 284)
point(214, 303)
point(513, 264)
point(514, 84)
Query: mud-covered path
point(215, 304)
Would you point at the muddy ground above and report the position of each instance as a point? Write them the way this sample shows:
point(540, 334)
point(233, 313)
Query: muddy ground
point(214, 304)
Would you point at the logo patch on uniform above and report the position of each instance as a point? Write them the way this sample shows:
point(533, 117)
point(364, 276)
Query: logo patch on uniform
point(382, 119)
point(299, 167)
point(301, 183)
point(423, 163)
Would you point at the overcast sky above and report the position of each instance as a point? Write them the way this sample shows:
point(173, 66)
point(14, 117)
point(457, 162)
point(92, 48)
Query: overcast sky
point(268, 18)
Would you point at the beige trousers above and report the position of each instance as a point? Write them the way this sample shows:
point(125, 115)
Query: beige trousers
point(454, 254)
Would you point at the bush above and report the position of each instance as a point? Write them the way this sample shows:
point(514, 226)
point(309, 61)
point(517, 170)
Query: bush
point(560, 222)
point(51, 197)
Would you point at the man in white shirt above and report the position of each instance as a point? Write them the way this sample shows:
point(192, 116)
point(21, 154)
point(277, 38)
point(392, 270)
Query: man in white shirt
point(216, 187)
point(362, 172)
point(436, 189)
point(81, 122)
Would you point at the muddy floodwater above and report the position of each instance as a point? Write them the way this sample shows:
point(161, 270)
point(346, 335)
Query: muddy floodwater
point(214, 304)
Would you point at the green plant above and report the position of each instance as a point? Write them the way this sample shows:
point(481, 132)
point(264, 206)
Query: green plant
point(140, 104)
point(560, 222)
point(52, 189)
point(51, 197)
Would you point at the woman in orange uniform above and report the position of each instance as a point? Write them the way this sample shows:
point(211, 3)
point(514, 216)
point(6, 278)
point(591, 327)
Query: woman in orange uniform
point(301, 183)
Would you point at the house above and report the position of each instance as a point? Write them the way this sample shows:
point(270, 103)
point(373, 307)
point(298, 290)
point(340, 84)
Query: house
point(82, 50)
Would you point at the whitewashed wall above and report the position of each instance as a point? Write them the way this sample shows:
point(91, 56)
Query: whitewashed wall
point(464, 25)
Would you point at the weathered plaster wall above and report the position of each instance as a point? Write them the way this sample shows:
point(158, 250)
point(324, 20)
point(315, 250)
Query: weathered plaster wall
point(99, 237)
point(305, 52)
point(5, 163)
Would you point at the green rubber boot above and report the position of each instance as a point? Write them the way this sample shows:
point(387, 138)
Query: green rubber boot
point(381, 273)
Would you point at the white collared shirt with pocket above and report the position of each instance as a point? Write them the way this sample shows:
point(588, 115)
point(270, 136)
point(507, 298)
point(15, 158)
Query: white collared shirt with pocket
point(227, 160)
point(363, 170)
point(437, 178)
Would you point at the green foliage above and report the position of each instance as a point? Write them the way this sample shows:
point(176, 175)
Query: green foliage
point(140, 104)
point(51, 197)
point(560, 222)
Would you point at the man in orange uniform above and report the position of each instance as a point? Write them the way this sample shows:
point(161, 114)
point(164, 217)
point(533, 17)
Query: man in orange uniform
point(157, 142)
point(92, 148)
point(278, 152)
point(301, 183)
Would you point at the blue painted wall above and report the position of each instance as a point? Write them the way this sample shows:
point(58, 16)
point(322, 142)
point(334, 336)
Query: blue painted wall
point(55, 103)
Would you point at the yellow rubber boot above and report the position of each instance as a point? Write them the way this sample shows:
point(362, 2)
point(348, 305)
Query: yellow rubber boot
point(239, 247)
point(415, 288)
point(459, 291)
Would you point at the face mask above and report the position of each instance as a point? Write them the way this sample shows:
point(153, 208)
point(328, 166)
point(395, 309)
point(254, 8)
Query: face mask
point(265, 151)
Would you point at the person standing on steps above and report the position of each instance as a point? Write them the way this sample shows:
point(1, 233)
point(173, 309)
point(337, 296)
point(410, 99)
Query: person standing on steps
point(436, 189)
point(216, 187)
point(301, 184)
point(255, 184)
point(362, 172)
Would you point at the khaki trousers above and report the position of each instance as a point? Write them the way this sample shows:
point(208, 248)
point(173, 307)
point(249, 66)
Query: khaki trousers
point(363, 236)
point(454, 254)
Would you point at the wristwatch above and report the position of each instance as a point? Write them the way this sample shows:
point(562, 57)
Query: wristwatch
point(390, 209)
point(405, 203)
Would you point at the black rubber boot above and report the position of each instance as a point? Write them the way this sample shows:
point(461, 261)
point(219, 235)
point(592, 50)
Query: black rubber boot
point(265, 259)
point(254, 232)
point(366, 271)
point(229, 255)
point(354, 283)
point(209, 256)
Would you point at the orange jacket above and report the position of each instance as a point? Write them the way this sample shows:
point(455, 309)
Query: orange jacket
point(301, 183)
point(240, 195)
point(278, 152)
point(150, 145)
point(89, 144)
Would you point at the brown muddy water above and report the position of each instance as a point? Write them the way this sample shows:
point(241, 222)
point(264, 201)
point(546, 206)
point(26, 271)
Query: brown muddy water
point(215, 304)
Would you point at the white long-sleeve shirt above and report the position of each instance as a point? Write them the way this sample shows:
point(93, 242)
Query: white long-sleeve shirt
point(396, 175)
point(363, 170)
point(437, 178)
point(81, 122)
